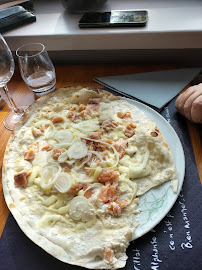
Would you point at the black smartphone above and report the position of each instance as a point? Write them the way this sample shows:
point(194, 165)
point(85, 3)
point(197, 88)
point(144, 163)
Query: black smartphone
point(114, 18)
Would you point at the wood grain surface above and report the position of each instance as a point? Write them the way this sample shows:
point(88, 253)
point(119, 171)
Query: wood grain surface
point(68, 75)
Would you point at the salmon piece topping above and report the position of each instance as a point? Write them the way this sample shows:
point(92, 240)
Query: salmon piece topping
point(130, 131)
point(109, 125)
point(120, 145)
point(109, 255)
point(46, 146)
point(36, 132)
point(66, 167)
point(82, 107)
point(93, 105)
point(73, 107)
point(73, 116)
point(107, 175)
point(93, 159)
point(108, 193)
point(88, 193)
point(101, 147)
point(57, 119)
point(57, 152)
point(96, 146)
point(115, 208)
point(34, 147)
point(21, 178)
point(82, 115)
point(124, 115)
point(47, 125)
point(76, 188)
point(104, 155)
point(85, 186)
point(76, 113)
point(94, 136)
point(30, 154)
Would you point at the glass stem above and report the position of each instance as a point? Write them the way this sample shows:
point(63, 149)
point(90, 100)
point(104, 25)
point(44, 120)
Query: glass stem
point(11, 101)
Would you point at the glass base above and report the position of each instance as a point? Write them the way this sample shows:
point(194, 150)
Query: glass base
point(42, 93)
point(12, 118)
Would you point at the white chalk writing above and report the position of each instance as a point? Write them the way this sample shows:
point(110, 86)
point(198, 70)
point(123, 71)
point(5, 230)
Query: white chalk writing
point(167, 114)
point(155, 257)
point(188, 238)
point(136, 259)
point(170, 231)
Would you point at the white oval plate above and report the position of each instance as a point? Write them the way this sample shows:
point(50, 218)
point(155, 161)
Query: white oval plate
point(156, 203)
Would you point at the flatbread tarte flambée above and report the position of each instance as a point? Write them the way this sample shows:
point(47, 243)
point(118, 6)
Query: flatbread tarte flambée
point(73, 170)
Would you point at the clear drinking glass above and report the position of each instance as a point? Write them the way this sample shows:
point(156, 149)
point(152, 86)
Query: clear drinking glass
point(7, 67)
point(36, 68)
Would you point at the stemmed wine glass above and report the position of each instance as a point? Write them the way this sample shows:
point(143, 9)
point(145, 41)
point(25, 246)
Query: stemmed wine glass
point(7, 67)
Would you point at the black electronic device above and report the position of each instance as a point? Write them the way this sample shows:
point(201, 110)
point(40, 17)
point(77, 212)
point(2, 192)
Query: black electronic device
point(15, 16)
point(114, 18)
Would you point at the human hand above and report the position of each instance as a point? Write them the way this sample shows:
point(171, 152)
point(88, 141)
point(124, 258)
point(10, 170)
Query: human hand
point(189, 103)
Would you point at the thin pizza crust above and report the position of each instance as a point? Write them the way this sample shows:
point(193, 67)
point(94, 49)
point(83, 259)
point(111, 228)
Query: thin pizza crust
point(88, 243)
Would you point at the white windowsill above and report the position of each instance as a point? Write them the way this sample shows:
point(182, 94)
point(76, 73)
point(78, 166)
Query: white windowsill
point(172, 24)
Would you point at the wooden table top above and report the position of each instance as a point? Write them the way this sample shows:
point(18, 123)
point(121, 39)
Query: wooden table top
point(76, 75)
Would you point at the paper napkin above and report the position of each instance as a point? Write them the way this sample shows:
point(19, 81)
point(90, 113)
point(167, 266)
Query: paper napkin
point(155, 88)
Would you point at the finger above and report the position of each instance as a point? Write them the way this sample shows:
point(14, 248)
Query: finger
point(196, 110)
point(188, 103)
point(180, 101)
point(184, 96)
